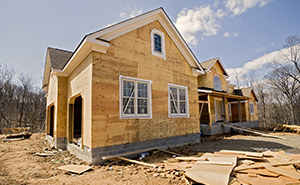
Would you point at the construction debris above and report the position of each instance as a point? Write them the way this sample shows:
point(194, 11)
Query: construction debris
point(79, 169)
point(251, 131)
point(295, 128)
point(19, 132)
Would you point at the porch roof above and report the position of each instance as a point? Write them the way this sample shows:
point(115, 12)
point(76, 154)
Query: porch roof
point(221, 94)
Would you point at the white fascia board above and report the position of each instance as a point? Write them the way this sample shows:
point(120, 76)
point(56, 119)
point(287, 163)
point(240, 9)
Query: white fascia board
point(83, 50)
point(196, 72)
point(204, 91)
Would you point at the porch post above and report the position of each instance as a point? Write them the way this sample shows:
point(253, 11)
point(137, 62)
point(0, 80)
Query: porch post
point(240, 110)
point(224, 109)
point(209, 111)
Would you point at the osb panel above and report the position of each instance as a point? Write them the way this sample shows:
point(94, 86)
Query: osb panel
point(61, 108)
point(52, 90)
point(130, 55)
point(207, 80)
point(78, 83)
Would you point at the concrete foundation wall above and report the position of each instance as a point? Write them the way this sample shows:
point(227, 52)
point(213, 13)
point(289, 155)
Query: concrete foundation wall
point(162, 143)
point(219, 129)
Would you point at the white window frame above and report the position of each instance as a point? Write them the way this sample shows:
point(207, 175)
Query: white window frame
point(251, 112)
point(163, 50)
point(220, 83)
point(135, 115)
point(178, 115)
point(229, 109)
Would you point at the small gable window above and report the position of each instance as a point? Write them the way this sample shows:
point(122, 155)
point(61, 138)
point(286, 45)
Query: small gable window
point(158, 44)
point(217, 84)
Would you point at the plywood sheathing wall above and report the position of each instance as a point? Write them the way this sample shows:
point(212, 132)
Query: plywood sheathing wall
point(207, 80)
point(79, 83)
point(130, 55)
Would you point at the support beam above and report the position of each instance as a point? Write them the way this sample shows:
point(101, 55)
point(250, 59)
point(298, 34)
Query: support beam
point(209, 111)
point(202, 105)
point(224, 109)
point(240, 110)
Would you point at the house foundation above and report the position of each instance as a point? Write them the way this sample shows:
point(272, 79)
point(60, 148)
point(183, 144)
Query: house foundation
point(218, 128)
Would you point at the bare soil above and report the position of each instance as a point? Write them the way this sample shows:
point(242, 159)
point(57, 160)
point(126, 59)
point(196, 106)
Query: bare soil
point(19, 163)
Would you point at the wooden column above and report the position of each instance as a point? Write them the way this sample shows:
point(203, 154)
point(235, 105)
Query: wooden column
point(209, 111)
point(224, 109)
point(240, 110)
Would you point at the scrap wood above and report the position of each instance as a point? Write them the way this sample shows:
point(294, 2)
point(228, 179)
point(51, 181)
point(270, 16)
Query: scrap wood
point(217, 154)
point(137, 162)
point(262, 165)
point(250, 154)
point(255, 132)
point(13, 139)
point(75, 168)
point(203, 173)
point(262, 172)
point(190, 158)
point(281, 156)
point(46, 154)
point(282, 171)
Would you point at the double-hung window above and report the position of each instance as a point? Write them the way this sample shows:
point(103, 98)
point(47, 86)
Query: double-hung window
point(178, 101)
point(135, 98)
point(158, 44)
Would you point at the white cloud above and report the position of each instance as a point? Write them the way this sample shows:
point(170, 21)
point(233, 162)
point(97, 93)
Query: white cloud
point(200, 19)
point(260, 49)
point(123, 14)
point(216, 3)
point(258, 63)
point(238, 7)
point(130, 12)
point(234, 34)
point(263, 48)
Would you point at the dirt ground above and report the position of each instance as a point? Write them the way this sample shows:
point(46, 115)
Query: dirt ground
point(19, 163)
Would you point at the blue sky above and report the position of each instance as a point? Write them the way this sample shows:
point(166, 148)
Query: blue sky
point(243, 33)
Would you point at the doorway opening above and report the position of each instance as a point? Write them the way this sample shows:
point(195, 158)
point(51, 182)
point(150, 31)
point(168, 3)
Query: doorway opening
point(77, 121)
point(51, 121)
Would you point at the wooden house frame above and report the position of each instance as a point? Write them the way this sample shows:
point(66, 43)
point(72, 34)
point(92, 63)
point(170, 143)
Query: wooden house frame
point(130, 86)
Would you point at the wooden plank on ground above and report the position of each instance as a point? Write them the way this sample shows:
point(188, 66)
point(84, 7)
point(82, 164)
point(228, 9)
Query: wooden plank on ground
point(75, 168)
point(137, 162)
point(190, 158)
point(250, 154)
point(127, 153)
point(255, 132)
point(212, 173)
point(282, 171)
point(262, 165)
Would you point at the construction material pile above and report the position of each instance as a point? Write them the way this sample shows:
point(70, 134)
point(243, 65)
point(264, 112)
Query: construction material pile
point(232, 167)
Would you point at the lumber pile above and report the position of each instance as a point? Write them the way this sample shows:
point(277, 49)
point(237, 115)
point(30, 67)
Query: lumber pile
point(234, 168)
point(293, 128)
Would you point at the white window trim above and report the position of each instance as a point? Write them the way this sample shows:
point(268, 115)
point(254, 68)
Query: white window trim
point(250, 103)
point(186, 115)
point(163, 50)
point(134, 116)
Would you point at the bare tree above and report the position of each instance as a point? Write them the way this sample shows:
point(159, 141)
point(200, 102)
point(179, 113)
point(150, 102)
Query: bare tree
point(249, 78)
point(26, 85)
point(236, 75)
point(288, 86)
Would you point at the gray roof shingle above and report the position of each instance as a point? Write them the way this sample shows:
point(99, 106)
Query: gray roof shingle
point(59, 57)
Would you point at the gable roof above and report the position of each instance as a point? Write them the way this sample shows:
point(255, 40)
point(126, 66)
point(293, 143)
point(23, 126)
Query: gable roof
point(103, 36)
point(59, 57)
point(209, 63)
point(247, 92)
